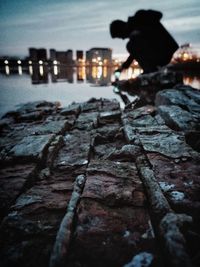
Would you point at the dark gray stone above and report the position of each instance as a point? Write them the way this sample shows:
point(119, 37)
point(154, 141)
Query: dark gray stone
point(74, 108)
point(31, 147)
point(168, 144)
point(177, 118)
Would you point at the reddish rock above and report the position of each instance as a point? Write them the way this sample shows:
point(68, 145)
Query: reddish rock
point(113, 235)
point(114, 183)
point(13, 180)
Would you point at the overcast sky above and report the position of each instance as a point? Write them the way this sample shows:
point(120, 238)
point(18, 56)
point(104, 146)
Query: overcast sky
point(82, 24)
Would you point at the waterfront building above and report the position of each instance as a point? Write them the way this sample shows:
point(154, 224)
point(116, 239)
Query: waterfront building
point(99, 57)
point(61, 57)
point(37, 55)
point(79, 57)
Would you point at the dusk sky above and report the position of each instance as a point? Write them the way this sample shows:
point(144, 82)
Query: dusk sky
point(83, 24)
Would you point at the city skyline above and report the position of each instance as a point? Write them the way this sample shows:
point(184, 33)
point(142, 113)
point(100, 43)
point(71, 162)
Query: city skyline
point(80, 25)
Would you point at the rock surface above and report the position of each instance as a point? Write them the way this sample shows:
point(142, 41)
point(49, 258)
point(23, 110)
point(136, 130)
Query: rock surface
point(94, 185)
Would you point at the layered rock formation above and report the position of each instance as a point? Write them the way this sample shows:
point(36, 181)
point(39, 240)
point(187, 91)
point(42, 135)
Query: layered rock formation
point(94, 185)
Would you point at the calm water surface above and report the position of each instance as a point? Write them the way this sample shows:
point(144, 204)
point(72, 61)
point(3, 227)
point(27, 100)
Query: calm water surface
point(65, 86)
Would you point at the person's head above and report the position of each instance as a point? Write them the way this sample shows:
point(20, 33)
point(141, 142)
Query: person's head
point(118, 28)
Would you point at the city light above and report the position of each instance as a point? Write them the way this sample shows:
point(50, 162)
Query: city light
point(41, 70)
point(40, 62)
point(19, 62)
point(20, 70)
point(55, 62)
point(7, 70)
point(55, 70)
point(30, 62)
point(6, 61)
point(31, 70)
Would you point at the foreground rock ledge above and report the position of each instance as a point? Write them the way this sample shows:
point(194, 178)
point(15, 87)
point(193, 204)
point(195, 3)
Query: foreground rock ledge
point(93, 185)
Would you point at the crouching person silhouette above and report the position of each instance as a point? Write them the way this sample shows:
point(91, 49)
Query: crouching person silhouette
point(149, 42)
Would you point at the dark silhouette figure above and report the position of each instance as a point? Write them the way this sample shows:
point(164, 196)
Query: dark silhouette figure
point(149, 42)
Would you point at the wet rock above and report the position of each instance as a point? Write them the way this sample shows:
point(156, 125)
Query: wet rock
point(174, 241)
point(177, 98)
point(53, 150)
point(75, 151)
point(87, 121)
point(31, 116)
point(73, 109)
point(96, 230)
point(92, 105)
point(111, 116)
point(31, 147)
point(181, 177)
point(113, 183)
point(168, 144)
point(110, 105)
point(51, 127)
point(107, 134)
point(177, 118)
point(143, 259)
point(64, 234)
point(12, 182)
point(126, 153)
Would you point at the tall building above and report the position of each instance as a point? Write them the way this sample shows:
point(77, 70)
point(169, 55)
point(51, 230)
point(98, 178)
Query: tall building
point(99, 57)
point(61, 57)
point(36, 55)
point(79, 57)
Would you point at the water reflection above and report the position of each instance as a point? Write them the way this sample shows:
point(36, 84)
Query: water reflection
point(96, 75)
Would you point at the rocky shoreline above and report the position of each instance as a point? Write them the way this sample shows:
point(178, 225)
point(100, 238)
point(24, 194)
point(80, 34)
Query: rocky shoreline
point(94, 185)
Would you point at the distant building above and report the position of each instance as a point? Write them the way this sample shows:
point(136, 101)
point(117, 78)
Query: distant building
point(99, 57)
point(61, 57)
point(79, 57)
point(37, 55)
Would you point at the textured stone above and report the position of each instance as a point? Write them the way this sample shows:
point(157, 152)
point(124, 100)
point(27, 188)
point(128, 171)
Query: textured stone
point(176, 97)
point(168, 144)
point(107, 231)
point(87, 121)
point(12, 182)
point(114, 183)
point(109, 116)
point(31, 147)
point(182, 177)
point(177, 118)
point(126, 153)
point(50, 127)
point(75, 152)
point(74, 109)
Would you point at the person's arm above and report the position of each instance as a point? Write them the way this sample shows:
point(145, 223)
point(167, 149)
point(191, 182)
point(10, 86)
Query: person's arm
point(126, 64)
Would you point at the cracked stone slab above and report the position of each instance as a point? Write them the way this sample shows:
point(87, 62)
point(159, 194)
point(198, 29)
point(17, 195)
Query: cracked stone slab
point(177, 118)
point(50, 127)
point(12, 181)
point(168, 144)
point(75, 152)
point(109, 231)
point(87, 121)
point(114, 183)
point(109, 116)
point(31, 147)
point(73, 109)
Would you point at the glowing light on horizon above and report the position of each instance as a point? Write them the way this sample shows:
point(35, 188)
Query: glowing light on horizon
point(55, 70)
point(7, 70)
point(40, 62)
point(31, 70)
point(6, 61)
point(19, 62)
point(20, 70)
point(41, 70)
point(30, 62)
point(55, 62)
